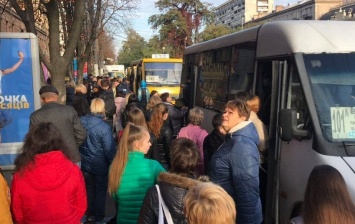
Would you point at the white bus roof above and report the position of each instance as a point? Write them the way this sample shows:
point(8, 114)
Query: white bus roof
point(287, 37)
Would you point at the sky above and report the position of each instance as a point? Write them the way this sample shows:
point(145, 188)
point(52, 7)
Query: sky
point(147, 8)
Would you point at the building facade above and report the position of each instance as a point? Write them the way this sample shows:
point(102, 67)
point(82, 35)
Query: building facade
point(11, 22)
point(234, 13)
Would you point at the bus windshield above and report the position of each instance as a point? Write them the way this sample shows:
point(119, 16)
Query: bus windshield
point(332, 78)
point(163, 72)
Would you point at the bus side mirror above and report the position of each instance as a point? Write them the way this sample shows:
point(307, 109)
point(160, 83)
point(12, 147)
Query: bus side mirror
point(287, 128)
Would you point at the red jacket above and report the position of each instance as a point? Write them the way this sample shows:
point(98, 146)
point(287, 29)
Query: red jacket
point(50, 191)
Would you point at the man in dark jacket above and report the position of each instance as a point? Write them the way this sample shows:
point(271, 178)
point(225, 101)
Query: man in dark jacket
point(175, 115)
point(63, 117)
point(213, 141)
point(235, 165)
point(107, 95)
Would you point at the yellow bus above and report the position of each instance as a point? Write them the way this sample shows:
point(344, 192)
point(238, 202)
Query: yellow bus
point(160, 74)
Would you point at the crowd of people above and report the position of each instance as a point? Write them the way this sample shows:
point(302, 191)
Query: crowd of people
point(154, 159)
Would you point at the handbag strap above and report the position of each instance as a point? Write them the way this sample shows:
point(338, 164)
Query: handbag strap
point(162, 206)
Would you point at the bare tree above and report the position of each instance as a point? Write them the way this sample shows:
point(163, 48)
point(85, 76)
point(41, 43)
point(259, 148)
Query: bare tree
point(102, 17)
point(60, 49)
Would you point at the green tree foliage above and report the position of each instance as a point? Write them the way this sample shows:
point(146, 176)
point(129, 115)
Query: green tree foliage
point(179, 22)
point(156, 46)
point(132, 48)
point(213, 31)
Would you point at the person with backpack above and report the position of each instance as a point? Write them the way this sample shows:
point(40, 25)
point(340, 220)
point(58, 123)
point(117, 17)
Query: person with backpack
point(107, 95)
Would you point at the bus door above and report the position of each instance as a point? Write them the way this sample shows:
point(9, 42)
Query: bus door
point(288, 162)
point(270, 87)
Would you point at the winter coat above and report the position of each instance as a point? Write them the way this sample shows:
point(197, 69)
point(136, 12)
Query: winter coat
point(161, 152)
point(80, 104)
point(124, 87)
point(197, 135)
point(51, 190)
point(173, 188)
point(70, 95)
point(98, 150)
point(263, 135)
point(138, 176)
point(5, 214)
point(110, 107)
point(153, 141)
point(175, 118)
point(210, 145)
point(68, 123)
point(235, 167)
point(117, 118)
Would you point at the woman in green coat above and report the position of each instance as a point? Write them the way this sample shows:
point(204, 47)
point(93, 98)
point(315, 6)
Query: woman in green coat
point(131, 175)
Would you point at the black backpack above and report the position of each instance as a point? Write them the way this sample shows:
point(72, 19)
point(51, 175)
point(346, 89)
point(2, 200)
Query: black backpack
point(110, 106)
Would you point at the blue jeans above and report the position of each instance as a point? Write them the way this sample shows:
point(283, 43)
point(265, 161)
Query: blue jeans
point(96, 188)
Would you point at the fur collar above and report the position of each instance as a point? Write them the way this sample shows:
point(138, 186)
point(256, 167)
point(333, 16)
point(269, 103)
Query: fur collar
point(179, 180)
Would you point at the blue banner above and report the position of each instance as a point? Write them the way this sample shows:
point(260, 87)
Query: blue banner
point(17, 95)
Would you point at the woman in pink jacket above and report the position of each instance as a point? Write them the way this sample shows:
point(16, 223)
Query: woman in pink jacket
point(194, 132)
point(47, 187)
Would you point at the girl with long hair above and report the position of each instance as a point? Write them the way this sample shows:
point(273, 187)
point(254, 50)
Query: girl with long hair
point(47, 186)
point(327, 200)
point(136, 116)
point(131, 175)
point(159, 126)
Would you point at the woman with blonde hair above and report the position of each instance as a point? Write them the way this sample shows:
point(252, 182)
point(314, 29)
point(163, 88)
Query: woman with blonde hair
point(254, 103)
point(159, 126)
point(235, 165)
point(80, 102)
point(209, 203)
point(194, 132)
point(97, 153)
point(131, 175)
point(327, 199)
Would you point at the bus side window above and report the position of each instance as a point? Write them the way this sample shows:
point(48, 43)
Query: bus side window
point(242, 72)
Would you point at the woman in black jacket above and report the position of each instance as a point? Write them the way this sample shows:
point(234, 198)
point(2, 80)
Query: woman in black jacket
point(131, 104)
point(159, 126)
point(173, 185)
